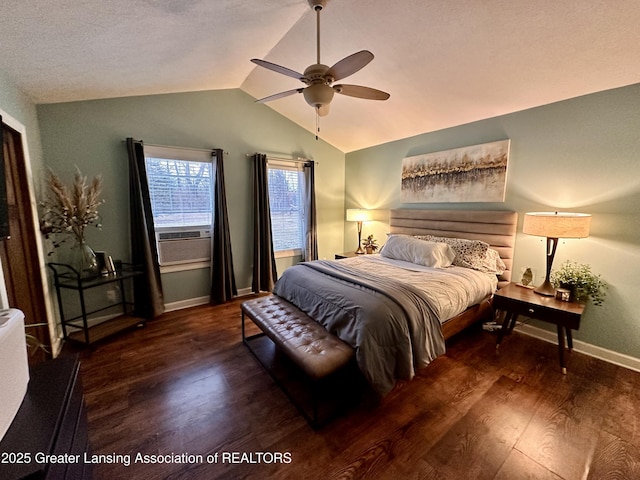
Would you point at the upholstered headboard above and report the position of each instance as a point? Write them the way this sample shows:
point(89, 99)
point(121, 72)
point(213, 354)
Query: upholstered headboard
point(496, 227)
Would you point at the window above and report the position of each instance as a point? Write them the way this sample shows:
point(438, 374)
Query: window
point(181, 192)
point(286, 200)
point(180, 188)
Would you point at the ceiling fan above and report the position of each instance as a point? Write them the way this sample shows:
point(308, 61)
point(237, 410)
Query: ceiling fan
point(319, 78)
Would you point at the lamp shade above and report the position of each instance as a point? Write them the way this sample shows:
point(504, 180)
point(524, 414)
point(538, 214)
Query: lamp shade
point(358, 215)
point(557, 224)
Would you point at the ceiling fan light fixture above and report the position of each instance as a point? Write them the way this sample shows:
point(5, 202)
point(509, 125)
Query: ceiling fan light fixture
point(318, 94)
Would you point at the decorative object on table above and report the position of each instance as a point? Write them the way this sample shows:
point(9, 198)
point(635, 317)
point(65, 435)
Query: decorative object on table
point(67, 213)
point(469, 174)
point(527, 277)
point(105, 263)
point(370, 244)
point(555, 225)
point(101, 257)
point(358, 215)
point(111, 267)
point(578, 279)
point(117, 265)
point(563, 294)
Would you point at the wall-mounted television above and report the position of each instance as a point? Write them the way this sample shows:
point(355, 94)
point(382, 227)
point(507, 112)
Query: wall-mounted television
point(4, 207)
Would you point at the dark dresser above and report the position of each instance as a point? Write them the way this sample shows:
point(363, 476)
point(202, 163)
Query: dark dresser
point(48, 437)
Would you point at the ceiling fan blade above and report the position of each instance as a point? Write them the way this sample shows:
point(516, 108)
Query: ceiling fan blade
point(349, 65)
point(361, 92)
point(323, 110)
point(277, 68)
point(280, 95)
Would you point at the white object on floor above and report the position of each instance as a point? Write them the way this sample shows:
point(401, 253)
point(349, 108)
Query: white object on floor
point(14, 367)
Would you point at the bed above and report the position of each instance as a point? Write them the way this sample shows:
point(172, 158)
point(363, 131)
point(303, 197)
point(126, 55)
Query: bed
point(497, 228)
point(399, 326)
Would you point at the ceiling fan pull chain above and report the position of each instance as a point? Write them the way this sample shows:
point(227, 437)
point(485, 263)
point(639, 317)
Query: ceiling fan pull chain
point(317, 123)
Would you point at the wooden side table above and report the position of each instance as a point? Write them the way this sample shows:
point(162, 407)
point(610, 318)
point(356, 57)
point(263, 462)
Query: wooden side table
point(514, 300)
point(340, 256)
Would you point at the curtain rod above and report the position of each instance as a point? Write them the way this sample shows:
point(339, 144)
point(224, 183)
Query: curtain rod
point(209, 150)
point(284, 159)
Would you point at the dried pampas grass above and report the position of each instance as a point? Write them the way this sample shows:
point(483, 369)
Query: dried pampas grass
point(69, 210)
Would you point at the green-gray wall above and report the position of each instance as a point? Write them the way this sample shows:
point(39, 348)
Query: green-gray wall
point(90, 135)
point(15, 103)
point(578, 155)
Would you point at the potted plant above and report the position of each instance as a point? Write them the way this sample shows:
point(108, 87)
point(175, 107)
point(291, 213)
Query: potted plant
point(370, 244)
point(581, 281)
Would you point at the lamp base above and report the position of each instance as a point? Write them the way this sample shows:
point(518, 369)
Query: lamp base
point(546, 289)
point(359, 251)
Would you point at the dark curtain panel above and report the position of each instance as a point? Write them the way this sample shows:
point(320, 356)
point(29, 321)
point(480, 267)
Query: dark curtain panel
point(223, 280)
point(147, 288)
point(4, 208)
point(310, 251)
point(264, 260)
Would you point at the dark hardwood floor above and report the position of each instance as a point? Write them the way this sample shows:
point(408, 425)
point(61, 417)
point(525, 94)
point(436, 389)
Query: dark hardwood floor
point(185, 383)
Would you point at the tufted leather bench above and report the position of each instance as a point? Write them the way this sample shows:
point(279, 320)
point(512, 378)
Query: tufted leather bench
point(312, 348)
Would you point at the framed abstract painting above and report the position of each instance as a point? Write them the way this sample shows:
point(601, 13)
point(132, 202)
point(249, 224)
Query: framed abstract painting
point(468, 174)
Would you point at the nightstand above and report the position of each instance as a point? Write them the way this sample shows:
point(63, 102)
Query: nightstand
point(340, 256)
point(514, 300)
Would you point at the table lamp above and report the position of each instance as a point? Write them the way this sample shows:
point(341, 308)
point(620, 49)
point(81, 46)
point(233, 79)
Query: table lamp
point(358, 215)
point(555, 225)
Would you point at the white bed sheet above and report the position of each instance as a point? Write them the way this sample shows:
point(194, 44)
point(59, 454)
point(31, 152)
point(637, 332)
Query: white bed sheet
point(452, 290)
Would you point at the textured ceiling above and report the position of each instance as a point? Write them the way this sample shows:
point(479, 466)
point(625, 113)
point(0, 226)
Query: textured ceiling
point(444, 62)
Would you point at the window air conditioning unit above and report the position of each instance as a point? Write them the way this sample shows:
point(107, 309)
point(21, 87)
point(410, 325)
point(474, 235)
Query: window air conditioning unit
point(183, 246)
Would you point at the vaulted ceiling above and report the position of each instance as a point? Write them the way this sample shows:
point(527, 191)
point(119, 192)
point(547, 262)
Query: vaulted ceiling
point(444, 62)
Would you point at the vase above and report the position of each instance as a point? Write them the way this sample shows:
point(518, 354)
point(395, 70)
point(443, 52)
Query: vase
point(578, 294)
point(83, 260)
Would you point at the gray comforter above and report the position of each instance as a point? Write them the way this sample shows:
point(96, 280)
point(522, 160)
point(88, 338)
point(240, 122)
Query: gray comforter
point(391, 325)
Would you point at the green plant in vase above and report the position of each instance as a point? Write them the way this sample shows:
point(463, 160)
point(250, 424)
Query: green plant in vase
point(581, 281)
point(67, 212)
point(370, 244)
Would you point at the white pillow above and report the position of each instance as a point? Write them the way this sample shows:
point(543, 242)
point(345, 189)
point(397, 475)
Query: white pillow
point(420, 252)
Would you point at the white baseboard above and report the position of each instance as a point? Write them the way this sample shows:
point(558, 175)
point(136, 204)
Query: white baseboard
point(190, 302)
point(610, 356)
point(194, 302)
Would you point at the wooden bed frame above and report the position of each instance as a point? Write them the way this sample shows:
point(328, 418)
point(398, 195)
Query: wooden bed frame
point(496, 227)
